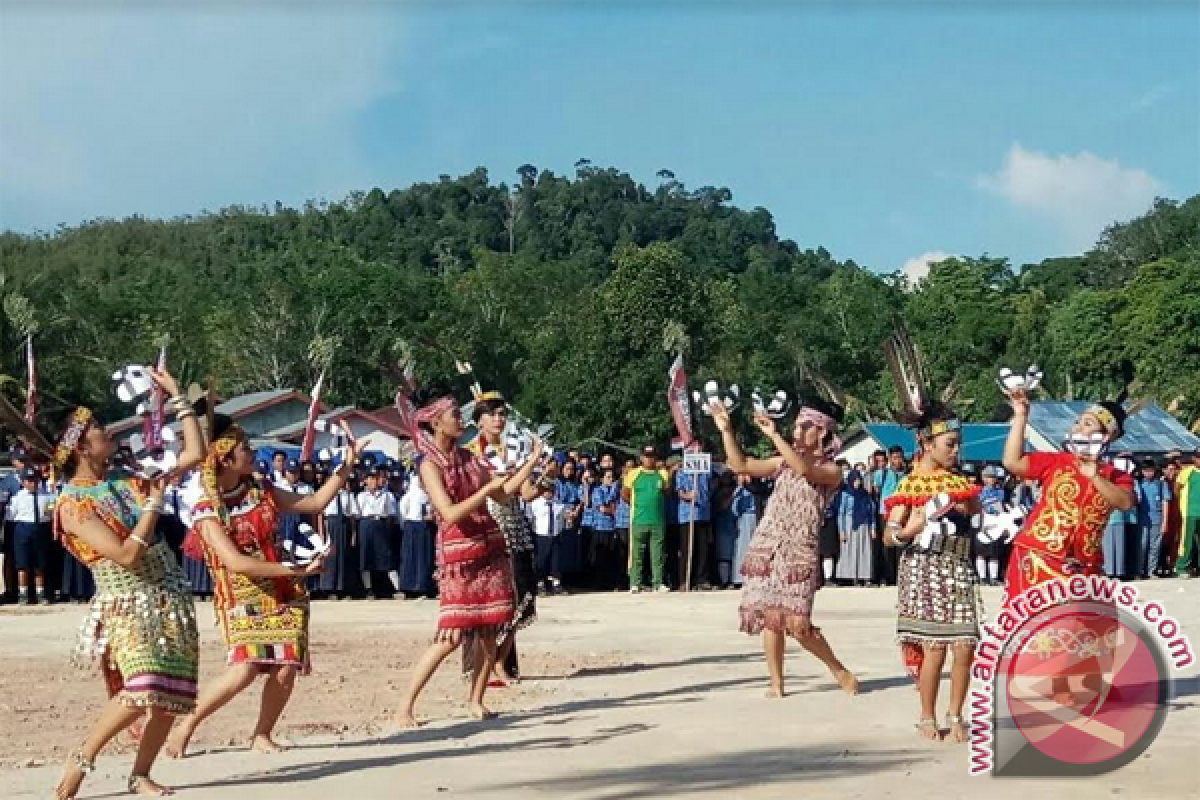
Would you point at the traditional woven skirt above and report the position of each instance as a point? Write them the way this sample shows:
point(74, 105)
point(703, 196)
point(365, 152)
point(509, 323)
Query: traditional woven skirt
point(777, 590)
point(260, 626)
point(143, 625)
point(417, 558)
point(938, 600)
point(475, 596)
point(341, 575)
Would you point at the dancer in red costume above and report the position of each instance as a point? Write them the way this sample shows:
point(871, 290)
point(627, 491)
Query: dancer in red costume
point(1062, 535)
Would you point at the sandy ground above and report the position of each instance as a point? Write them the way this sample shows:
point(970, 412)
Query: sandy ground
point(626, 697)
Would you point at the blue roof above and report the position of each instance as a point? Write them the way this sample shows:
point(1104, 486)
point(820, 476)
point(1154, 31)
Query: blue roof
point(982, 442)
point(1151, 430)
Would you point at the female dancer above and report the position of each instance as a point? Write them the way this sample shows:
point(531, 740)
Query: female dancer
point(938, 587)
point(475, 600)
point(1063, 535)
point(142, 626)
point(491, 417)
point(260, 603)
point(782, 569)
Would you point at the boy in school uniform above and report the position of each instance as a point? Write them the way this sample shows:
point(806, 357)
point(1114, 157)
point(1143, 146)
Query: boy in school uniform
point(29, 511)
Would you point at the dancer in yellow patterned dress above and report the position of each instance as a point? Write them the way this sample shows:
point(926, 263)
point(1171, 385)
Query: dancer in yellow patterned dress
point(261, 604)
point(141, 626)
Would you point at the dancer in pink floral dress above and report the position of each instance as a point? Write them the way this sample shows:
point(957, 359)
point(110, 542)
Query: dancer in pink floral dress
point(782, 569)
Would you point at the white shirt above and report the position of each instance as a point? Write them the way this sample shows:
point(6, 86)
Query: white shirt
point(541, 514)
point(377, 504)
point(349, 504)
point(414, 506)
point(294, 488)
point(21, 506)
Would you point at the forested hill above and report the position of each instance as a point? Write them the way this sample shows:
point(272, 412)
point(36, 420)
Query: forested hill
point(572, 294)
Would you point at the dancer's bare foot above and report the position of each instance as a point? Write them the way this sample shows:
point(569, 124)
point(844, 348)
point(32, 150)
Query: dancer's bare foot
point(72, 778)
point(481, 712)
point(143, 785)
point(177, 742)
point(958, 728)
point(263, 743)
point(775, 692)
point(847, 681)
point(928, 729)
point(405, 719)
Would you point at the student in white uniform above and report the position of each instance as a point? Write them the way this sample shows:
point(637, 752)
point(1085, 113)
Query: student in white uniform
point(341, 577)
point(29, 511)
point(417, 560)
point(376, 536)
point(546, 527)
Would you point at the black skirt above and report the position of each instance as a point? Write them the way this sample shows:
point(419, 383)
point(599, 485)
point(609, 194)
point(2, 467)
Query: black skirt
point(77, 582)
point(831, 540)
point(198, 576)
point(376, 549)
point(342, 574)
point(417, 563)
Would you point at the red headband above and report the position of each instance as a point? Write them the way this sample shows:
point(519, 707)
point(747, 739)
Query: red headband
point(435, 409)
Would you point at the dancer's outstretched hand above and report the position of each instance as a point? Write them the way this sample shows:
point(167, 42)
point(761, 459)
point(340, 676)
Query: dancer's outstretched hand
point(765, 424)
point(494, 488)
point(164, 381)
point(720, 415)
point(1019, 400)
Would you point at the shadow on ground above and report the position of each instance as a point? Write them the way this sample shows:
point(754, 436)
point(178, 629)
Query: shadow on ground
point(721, 773)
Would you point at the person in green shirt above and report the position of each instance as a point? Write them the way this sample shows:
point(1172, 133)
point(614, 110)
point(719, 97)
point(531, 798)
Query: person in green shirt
point(645, 489)
point(1187, 486)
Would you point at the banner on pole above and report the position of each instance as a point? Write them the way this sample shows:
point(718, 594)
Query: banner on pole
point(677, 399)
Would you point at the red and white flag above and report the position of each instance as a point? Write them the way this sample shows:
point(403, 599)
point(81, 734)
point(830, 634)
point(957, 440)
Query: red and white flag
point(31, 393)
point(153, 423)
point(677, 399)
point(314, 411)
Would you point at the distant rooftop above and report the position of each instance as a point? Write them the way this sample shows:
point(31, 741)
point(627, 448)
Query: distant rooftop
point(1151, 430)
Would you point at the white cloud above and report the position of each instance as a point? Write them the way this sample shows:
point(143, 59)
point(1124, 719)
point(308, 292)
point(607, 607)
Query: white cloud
point(168, 110)
point(1081, 194)
point(915, 269)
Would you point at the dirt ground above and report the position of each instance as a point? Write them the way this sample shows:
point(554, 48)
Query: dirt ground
point(625, 697)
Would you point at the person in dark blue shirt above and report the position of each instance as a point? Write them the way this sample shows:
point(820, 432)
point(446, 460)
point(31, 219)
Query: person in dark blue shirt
point(1154, 497)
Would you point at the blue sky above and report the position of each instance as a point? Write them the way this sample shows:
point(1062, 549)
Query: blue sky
point(882, 131)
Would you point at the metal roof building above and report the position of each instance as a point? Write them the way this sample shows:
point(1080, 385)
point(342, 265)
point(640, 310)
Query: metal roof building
point(1151, 431)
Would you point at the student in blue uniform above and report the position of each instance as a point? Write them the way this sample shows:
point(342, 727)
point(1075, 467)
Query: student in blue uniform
point(29, 510)
point(694, 497)
point(603, 509)
point(1154, 497)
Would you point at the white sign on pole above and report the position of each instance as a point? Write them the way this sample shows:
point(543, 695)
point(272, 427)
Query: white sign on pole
point(697, 463)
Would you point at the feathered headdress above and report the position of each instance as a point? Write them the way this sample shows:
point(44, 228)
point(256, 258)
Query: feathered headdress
point(919, 409)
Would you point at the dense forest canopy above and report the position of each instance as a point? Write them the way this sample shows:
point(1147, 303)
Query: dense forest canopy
point(572, 295)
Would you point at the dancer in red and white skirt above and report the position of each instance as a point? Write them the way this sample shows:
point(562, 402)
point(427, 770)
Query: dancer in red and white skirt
point(475, 588)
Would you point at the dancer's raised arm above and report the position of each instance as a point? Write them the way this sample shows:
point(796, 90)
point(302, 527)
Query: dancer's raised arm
point(738, 461)
point(802, 461)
